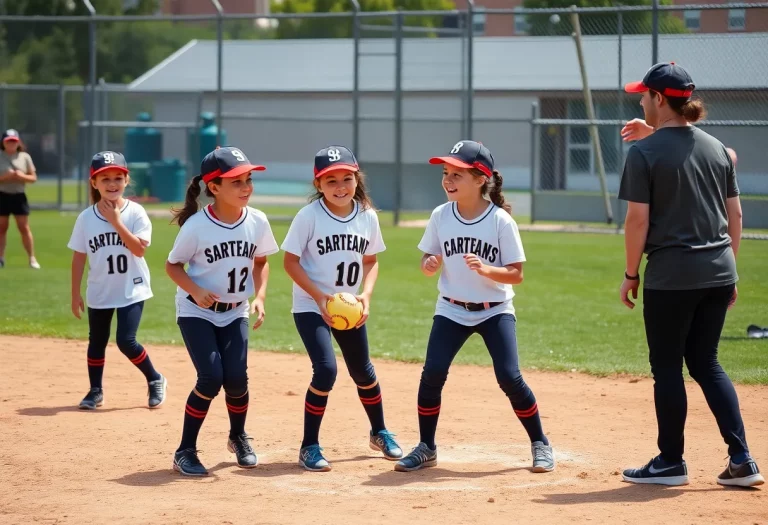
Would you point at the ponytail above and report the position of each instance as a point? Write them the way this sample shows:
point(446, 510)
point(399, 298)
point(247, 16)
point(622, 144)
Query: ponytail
point(493, 188)
point(191, 204)
point(692, 110)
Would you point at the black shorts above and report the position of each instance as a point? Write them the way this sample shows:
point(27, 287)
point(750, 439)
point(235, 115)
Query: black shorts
point(13, 204)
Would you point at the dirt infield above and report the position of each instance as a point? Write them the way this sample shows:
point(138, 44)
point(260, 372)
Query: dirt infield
point(61, 465)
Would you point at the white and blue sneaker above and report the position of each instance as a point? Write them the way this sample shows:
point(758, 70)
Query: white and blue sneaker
point(659, 472)
point(311, 458)
point(543, 457)
point(384, 442)
point(420, 457)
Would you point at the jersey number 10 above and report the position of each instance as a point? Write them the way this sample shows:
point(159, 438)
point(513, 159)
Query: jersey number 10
point(122, 264)
point(353, 273)
point(231, 275)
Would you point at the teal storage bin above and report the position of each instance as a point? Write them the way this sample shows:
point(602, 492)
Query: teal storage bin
point(202, 141)
point(143, 144)
point(139, 173)
point(168, 179)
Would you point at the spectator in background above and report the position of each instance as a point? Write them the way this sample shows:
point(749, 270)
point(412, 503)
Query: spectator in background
point(16, 171)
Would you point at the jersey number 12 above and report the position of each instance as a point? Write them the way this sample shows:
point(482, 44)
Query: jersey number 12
point(231, 275)
point(353, 273)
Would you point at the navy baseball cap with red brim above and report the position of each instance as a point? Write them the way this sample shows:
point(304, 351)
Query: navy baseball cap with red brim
point(108, 160)
point(468, 154)
point(335, 158)
point(669, 79)
point(227, 162)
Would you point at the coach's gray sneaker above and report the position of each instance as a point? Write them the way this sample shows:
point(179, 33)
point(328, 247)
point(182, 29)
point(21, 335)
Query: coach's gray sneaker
point(745, 475)
point(420, 457)
point(34, 264)
point(543, 457)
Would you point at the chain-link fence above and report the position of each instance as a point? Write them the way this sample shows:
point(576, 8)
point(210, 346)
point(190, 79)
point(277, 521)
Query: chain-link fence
point(396, 87)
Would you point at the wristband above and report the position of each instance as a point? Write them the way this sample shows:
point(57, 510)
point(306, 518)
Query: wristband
point(631, 278)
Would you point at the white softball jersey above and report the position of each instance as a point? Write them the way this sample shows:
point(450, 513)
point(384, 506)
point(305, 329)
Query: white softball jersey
point(494, 238)
point(331, 249)
point(116, 277)
point(219, 258)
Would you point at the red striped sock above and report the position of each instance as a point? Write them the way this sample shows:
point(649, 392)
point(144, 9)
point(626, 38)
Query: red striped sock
point(371, 400)
point(314, 409)
point(194, 415)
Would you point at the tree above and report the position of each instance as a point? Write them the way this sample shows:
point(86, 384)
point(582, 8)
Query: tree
point(635, 22)
point(342, 27)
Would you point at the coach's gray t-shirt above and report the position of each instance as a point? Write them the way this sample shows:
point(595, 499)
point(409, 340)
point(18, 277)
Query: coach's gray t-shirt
point(685, 175)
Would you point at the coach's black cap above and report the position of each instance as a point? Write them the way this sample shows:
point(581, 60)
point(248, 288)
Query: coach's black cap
point(226, 162)
point(468, 154)
point(334, 158)
point(105, 160)
point(669, 79)
point(10, 135)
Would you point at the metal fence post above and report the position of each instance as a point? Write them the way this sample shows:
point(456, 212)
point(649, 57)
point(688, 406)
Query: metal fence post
point(534, 135)
point(620, 112)
point(655, 33)
point(219, 66)
point(398, 115)
point(470, 65)
point(91, 140)
point(356, 78)
point(61, 145)
point(3, 108)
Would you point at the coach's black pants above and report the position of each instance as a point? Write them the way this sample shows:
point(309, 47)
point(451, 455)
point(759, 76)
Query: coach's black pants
point(686, 325)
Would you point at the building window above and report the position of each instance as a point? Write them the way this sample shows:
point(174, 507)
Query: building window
point(478, 23)
point(737, 19)
point(521, 24)
point(692, 20)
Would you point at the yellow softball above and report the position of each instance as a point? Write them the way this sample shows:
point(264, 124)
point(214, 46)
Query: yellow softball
point(345, 310)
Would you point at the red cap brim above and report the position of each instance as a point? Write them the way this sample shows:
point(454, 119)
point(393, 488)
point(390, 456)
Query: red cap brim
point(11, 139)
point(453, 161)
point(105, 168)
point(234, 172)
point(334, 167)
point(636, 87)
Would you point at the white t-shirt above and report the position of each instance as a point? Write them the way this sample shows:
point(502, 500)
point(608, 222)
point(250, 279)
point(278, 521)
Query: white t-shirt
point(331, 249)
point(116, 277)
point(494, 238)
point(220, 259)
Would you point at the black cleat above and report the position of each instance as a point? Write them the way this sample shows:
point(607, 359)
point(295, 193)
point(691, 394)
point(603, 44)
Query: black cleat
point(745, 475)
point(156, 392)
point(186, 463)
point(242, 449)
point(659, 472)
point(93, 399)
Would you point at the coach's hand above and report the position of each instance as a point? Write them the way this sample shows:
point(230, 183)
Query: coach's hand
point(636, 129)
point(366, 304)
point(322, 302)
point(204, 298)
point(77, 305)
point(257, 307)
point(626, 286)
point(733, 298)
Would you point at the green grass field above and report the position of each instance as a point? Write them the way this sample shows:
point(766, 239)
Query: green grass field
point(568, 309)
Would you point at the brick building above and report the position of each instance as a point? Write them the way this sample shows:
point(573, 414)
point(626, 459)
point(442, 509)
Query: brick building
point(696, 21)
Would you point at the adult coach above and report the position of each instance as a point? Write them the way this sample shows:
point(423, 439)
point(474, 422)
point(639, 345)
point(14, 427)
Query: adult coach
point(684, 213)
point(16, 170)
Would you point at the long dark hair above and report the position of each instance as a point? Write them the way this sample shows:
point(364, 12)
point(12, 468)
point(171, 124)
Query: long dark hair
point(692, 109)
point(191, 203)
point(493, 188)
point(361, 192)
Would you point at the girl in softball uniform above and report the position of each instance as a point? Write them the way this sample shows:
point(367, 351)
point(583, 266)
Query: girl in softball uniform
point(112, 235)
point(225, 247)
point(331, 247)
point(477, 244)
